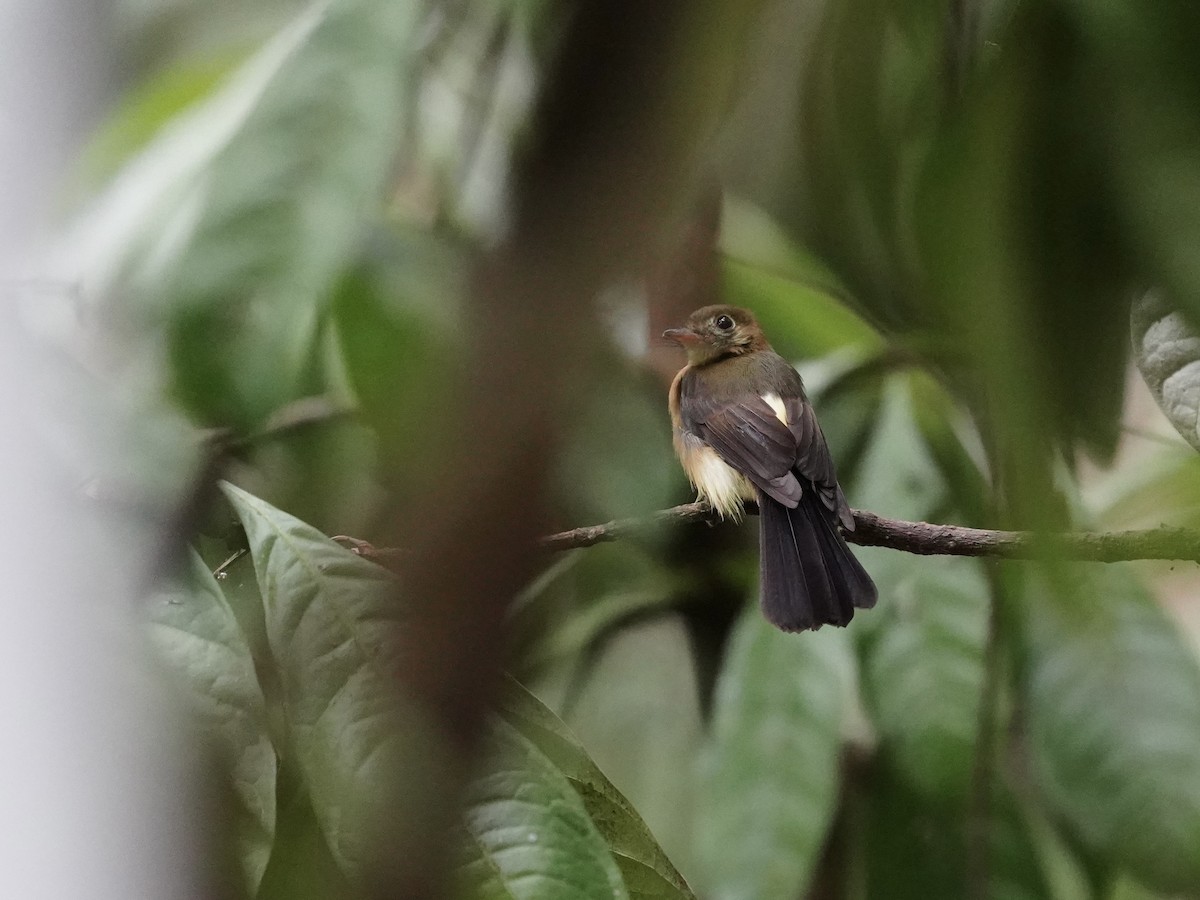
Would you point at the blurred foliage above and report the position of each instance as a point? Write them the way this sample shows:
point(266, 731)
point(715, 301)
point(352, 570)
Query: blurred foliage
point(966, 198)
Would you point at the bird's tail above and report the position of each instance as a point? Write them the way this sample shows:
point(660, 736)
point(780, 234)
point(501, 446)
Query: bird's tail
point(809, 576)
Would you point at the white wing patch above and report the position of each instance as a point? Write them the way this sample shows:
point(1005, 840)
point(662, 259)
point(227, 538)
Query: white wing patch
point(776, 403)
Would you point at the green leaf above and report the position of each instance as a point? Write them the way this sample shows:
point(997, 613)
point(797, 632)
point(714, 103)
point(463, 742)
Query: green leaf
point(923, 672)
point(232, 227)
point(331, 621)
point(750, 236)
point(530, 837)
point(647, 872)
point(800, 303)
point(1113, 699)
point(397, 318)
point(896, 477)
point(922, 646)
point(1162, 489)
point(1167, 352)
point(954, 444)
point(803, 321)
point(769, 776)
point(197, 636)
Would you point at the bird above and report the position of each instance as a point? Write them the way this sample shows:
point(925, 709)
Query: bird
point(743, 429)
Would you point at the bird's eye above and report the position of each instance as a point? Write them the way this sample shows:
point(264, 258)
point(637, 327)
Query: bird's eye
point(724, 323)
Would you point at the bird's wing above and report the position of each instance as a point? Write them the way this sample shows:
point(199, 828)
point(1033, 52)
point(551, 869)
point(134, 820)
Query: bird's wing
point(813, 459)
point(751, 439)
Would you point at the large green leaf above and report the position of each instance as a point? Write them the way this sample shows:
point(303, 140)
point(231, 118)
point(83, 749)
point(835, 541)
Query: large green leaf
point(769, 776)
point(331, 624)
point(647, 872)
point(231, 227)
point(895, 477)
point(1113, 700)
point(923, 672)
point(196, 634)
point(922, 646)
point(800, 303)
point(1162, 489)
point(1167, 352)
point(530, 837)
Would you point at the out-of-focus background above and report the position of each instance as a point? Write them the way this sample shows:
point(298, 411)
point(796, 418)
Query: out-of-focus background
point(393, 271)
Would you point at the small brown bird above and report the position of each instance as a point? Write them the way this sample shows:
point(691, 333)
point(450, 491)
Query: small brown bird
point(744, 430)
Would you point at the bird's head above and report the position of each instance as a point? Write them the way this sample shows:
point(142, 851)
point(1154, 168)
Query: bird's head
point(714, 332)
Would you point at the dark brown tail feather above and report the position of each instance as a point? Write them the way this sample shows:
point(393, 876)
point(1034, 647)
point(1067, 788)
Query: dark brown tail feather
point(809, 576)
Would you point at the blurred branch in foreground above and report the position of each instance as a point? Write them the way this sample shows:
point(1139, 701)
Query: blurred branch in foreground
point(921, 538)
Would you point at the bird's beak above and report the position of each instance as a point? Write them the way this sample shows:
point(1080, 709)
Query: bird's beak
point(684, 337)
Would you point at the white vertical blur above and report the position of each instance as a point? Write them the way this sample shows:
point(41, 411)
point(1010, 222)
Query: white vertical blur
point(92, 803)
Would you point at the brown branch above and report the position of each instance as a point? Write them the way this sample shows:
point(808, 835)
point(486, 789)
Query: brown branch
point(921, 538)
point(1090, 546)
point(926, 539)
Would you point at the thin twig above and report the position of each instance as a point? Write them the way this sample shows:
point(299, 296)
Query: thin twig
point(301, 414)
point(296, 416)
point(220, 571)
point(589, 535)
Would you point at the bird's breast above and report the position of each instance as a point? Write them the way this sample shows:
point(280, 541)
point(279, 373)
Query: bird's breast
point(720, 485)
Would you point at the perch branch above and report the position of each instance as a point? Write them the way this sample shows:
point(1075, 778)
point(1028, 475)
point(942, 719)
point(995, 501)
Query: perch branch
point(921, 538)
point(924, 538)
point(1090, 546)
